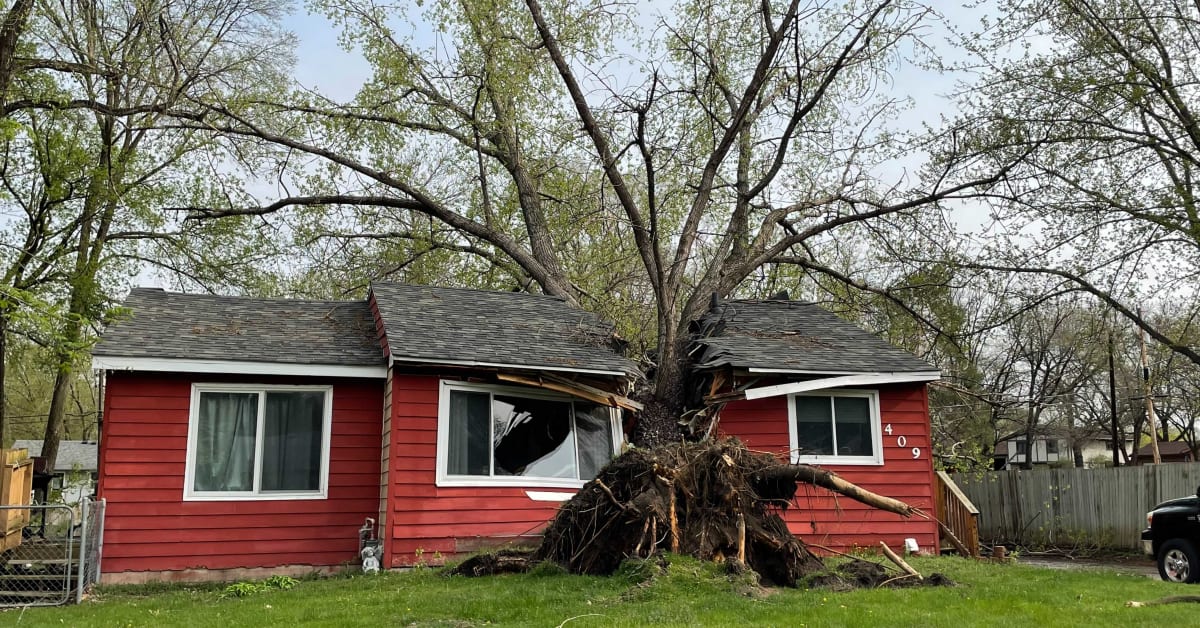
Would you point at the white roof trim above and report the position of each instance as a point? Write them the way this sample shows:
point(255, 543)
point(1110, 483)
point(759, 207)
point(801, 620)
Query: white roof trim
point(173, 365)
point(932, 374)
point(527, 367)
point(862, 379)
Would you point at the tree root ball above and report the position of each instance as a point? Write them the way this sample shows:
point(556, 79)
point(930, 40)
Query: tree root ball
point(713, 501)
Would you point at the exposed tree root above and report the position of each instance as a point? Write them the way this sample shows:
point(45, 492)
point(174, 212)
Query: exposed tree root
point(711, 500)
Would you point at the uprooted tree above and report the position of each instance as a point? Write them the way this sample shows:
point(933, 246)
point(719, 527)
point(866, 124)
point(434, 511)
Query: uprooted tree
point(491, 157)
point(500, 156)
point(715, 500)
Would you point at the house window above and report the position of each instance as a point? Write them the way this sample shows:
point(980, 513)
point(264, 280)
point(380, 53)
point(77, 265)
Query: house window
point(258, 442)
point(1052, 447)
point(836, 427)
point(513, 436)
point(1021, 448)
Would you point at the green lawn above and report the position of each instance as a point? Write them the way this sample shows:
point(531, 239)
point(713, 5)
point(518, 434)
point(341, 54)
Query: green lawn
point(688, 594)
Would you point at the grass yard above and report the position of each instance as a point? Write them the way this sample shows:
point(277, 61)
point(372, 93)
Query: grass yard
point(687, 594)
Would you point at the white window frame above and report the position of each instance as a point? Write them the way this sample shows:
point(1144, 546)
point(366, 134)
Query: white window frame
point(189, 492)
point(876, 423)
point(443, 436)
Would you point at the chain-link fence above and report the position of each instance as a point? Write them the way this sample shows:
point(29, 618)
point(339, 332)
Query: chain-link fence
point(91, 541)
point(56, 556)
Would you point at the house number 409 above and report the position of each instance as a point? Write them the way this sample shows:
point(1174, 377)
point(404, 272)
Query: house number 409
point(902, 441)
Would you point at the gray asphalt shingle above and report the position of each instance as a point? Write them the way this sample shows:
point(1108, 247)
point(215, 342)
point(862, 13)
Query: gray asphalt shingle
point(797, 336)
point(207, 327)
point(73, 455)
point(428, 324)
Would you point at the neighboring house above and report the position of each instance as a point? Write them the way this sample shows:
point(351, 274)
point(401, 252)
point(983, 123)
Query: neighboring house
point(1099, 448)
point(1011, 453)
point(833, 395)
point(1169, 451)
point(249, 434)
point(74, 468)
point(1051, 449)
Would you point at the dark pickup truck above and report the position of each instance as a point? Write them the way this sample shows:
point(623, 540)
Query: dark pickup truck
point(1172, 536)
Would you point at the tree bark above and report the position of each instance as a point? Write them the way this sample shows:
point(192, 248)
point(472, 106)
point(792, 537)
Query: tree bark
point(3, 376)
point(831, 481)
point(11, 29)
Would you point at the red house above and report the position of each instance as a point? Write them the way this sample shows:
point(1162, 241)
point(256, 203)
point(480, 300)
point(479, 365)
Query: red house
point(808, 385)
point(244, 436)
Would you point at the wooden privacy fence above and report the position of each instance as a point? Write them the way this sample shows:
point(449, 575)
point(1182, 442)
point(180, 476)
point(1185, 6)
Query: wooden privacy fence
point(1098, 507)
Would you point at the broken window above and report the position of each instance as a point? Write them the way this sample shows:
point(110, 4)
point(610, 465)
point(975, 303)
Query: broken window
point(507, 432)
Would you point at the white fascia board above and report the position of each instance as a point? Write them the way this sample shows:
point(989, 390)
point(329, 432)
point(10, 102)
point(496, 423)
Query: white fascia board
point(861, 379)
point(170, 365)
point(525, 367)
point(931, 374)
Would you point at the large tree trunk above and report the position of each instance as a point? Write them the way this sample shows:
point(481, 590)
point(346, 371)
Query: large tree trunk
point(58, 412)
point(12, 26)
point(3, 377)
point(658, 422)
point(64, 375)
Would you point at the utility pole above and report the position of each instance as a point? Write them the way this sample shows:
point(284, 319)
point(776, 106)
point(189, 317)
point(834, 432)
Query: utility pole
point(1151, 419)
point(1117, 441)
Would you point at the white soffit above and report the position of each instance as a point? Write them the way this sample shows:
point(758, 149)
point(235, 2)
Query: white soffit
point(861, 379)
point(168, 365)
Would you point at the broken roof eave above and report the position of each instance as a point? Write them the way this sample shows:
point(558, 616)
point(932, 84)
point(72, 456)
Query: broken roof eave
point(933, 375)
point(178, 365)
point(825, 383)
point(497, 365)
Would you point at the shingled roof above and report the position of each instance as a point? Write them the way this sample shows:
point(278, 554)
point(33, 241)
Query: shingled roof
point(457, 325)
point(73, 455)
point(172, 325)
point(797, 337)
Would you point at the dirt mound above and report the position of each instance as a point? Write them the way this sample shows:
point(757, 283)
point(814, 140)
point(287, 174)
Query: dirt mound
point(864, 574)
point(490, 564)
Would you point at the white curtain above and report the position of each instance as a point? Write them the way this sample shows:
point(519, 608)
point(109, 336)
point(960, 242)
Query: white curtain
point(470, 446)
point(292, 435)
point(225, 435)
point(593, 428)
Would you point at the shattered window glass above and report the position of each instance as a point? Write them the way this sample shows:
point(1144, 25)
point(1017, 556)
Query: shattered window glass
point(501, 434)
point(533, 437)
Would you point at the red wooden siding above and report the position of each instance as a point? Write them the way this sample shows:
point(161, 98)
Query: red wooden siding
point(148, 526)
point(843, 523)
point(425, 519)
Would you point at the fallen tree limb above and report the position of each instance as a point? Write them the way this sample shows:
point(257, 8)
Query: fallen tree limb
point(900, 562)
point(831, 481)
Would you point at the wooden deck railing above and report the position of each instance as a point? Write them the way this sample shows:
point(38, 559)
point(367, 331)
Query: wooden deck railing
point(958, 519)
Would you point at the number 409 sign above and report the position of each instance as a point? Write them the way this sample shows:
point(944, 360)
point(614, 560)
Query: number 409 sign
point(902, 441)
